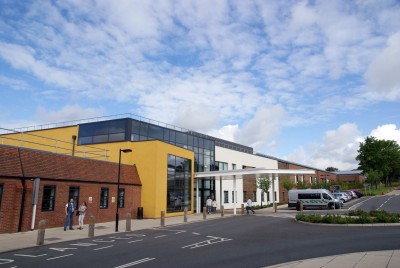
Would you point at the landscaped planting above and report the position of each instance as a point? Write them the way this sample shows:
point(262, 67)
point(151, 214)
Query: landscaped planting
point(353, 217)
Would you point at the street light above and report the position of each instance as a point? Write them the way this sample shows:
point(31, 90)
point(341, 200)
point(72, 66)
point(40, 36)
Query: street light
point(119, 175)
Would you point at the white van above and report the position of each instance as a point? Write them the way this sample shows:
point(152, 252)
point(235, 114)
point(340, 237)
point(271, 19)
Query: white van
point(313, 198)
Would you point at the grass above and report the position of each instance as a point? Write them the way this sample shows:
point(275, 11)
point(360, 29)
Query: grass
point(373, 191)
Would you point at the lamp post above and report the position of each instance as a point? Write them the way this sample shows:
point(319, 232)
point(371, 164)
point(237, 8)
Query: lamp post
point(119, 176)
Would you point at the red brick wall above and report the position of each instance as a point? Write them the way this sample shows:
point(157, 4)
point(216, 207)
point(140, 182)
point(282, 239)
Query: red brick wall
point(62, 171)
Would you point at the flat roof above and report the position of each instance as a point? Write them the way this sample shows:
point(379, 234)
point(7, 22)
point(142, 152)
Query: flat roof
point(250, 173)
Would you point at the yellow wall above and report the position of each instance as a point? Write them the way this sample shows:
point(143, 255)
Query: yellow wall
point(150, 157)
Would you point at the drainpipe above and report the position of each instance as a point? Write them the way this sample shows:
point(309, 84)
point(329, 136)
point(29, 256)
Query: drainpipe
point(21, 210)
point(73, 144)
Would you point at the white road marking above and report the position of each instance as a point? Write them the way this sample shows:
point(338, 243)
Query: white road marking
point(101, 240)
point(84, 244)
point(103, 247)
point(208, 242)
point(196, 233)
point(135, 263)
point(118, 237)
point(62, 249)
point(5, 261)
point(63, 256)
point(136, 235)
point(31, 256)
point(134, 241)
point(160, 236)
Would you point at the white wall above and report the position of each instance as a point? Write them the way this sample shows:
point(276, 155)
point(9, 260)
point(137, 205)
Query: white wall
point(241, 159)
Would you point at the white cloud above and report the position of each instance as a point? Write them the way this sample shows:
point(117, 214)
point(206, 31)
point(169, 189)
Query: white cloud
point(261, 130)
point(383, 73)
point(66, 113)
point(339, 149)
point(387, 132)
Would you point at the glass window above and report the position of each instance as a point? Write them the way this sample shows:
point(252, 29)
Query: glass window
point(116, 137)
point(226, 197)
point(179, 178)
point(74, 193)
point(104, 198)
point(155, 132)
point(144, 129)
point(166, 135)
point(263, 198)
point(255, 196)
point(121, 198)
point(1, 192)
point(233, 166)
point(268, 197)
point(49, 196)
point(172, 136)
point(181, 138)
point(100, 139)
point(135, 127)
point(244, 197)
point(233, 197)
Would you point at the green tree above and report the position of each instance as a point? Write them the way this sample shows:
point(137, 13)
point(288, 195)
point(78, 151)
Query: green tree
point(374, 177)
point(264, 184)
point(379, 155)
point(302, 185)
point(331, 169)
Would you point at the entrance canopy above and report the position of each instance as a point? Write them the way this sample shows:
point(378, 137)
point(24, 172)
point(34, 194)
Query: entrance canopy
point(250, 173)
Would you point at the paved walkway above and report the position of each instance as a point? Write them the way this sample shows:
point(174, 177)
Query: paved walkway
point(376, 259)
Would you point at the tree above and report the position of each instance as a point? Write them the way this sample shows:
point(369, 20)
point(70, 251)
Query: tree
point(331, 169)
point(287, 184)
point(302, 185)
point(264, 184)
point(374, 177)
point(379, 155)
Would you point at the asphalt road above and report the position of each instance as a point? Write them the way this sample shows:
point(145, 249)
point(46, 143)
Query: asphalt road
point(242, 241)
point(388, 203)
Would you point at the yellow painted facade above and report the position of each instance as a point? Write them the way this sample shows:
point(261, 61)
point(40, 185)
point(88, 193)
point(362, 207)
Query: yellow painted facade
point(150, 157)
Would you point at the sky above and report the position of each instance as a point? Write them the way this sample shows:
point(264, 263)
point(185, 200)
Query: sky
point(305, 81)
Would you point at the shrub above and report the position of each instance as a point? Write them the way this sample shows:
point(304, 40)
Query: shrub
point(358, 216)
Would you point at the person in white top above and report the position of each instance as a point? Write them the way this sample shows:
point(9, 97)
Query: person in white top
point(249, 206)
point(82, 212)
point(209, 205)
point(214, 204)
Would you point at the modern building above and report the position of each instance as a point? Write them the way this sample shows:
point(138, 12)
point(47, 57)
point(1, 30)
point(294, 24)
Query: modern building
point(350, 176)
point(166, 158)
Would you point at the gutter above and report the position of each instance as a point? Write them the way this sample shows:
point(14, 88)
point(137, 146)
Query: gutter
point(21, 210)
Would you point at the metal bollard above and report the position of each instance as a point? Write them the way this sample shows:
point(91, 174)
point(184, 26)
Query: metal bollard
point(222, 211)
point(204, 213)
point(162, 218)
point(91, 226)
point(242, 209)
point(185, 215)
point(41, 231)
point(128, 222)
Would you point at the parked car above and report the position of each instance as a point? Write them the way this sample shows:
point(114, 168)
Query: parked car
point(351, 193)
point(344, 197)
point(358, 193)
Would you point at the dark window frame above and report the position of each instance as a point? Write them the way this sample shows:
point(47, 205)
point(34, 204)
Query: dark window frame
point(104, 194)
point(226, 197)
point(48, 199)
point(74, 194)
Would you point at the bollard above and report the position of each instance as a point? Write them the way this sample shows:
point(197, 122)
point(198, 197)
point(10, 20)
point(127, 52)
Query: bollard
point(222, 211)
point(275, 207)
point(128, 222)
point(204, 213)
point(162, 218)
point(41, 231)
point(242, 209)
point(91, 226)
point(185, 215)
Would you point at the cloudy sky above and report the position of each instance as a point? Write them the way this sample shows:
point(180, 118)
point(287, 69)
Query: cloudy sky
point(304, 81)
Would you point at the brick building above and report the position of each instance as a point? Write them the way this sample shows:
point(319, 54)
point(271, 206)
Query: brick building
point(61, 177)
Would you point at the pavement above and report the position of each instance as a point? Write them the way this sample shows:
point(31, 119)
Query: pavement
point(375, 259)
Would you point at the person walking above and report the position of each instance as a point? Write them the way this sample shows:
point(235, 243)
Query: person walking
point(209, 205)
point(69, 212)
point(82, 212)
point(214, 204)
point(249, 206)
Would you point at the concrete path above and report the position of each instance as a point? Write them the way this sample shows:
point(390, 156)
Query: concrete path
point(376, 259)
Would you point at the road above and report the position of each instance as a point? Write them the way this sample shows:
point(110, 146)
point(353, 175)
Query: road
point(250, 240)
point(388, 203)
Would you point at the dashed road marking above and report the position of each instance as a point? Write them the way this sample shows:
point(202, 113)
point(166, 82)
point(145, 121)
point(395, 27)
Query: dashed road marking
point(213, 240)
point(134, 241)
point(135, 262)
point(103, 247)
point(31, 256)
point(160, 236)
point(63, 256)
